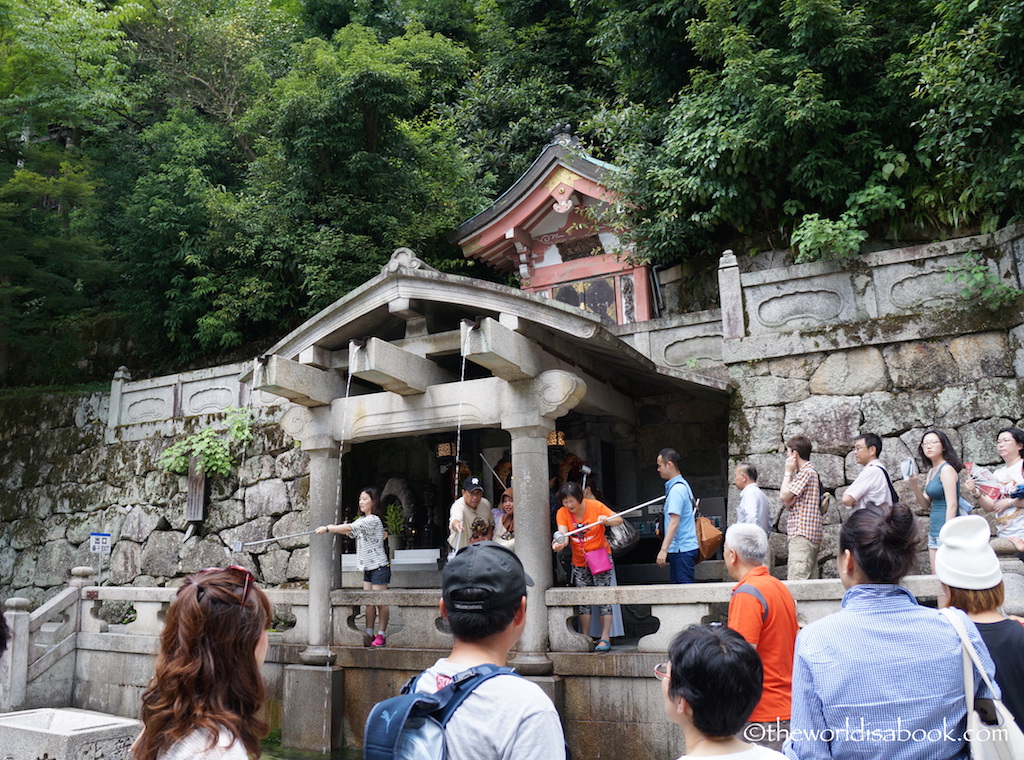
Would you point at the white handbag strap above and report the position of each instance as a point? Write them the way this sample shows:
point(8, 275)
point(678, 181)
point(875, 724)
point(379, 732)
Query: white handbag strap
point(969, 651)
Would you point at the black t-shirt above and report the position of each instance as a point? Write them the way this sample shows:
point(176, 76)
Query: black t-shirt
point(1005, 642)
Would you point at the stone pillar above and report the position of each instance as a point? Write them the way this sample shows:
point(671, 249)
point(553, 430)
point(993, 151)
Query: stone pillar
point(116, 392)
point(81, 577)
point(323, 508)
point(730, 292)
point(533, 540)
point(313, 719)
point(14, 663)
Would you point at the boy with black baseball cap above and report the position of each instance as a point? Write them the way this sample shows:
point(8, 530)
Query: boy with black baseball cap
point(484, 602)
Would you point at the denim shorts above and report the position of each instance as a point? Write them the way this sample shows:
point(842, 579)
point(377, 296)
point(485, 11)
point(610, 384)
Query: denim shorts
point(379, 576)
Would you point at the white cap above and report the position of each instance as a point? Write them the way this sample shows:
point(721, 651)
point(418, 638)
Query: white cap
point(964, 558)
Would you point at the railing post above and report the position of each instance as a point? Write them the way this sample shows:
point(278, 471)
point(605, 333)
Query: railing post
point(730, 291)
point(79, 579)
point(14, 663)
point(116, 392)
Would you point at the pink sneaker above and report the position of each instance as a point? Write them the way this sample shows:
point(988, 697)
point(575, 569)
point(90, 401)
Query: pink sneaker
point(378, 641)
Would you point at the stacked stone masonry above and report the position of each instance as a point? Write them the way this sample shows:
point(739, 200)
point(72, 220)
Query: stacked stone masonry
point(62, 481)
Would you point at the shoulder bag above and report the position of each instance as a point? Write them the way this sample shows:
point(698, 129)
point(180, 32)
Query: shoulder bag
point(621, 538)
point(992, 733)
point(709, 538)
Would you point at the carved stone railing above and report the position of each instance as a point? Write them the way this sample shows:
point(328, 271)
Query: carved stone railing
point(816, 307)
point(38, 670)
point(678, 606)
point(142, 409)
point(415, 619)
point(686, 342)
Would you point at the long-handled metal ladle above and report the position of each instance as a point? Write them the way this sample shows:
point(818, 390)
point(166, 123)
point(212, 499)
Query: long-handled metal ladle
point(237, 546)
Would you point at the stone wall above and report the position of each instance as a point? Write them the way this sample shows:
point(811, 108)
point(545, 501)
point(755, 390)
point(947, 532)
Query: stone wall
point(967, 386)
point(60, 480)
point(886, 346)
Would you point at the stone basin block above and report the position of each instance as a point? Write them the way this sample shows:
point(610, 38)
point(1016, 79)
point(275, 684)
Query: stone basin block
point(66, 734)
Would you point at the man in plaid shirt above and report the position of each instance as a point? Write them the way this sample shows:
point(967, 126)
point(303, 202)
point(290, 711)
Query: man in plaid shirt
point(801, 493)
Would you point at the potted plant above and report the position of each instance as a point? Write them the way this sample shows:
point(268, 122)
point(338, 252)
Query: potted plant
point(394, 524)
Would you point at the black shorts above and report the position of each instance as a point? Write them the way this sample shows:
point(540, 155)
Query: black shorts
point(379, 576)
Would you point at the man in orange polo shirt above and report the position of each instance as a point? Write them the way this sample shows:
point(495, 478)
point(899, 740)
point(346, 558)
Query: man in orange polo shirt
point(763, 611)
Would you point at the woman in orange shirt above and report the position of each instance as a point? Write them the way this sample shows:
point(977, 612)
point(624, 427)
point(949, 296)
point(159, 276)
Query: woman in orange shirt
point(591, 555)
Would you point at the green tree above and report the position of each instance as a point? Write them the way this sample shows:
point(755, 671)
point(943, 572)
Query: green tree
point(50, 270)
point(60, 65)
point(969, 74)
point(353, 160)
point(216, 56)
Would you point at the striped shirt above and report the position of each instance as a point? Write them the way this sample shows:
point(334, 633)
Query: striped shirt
point(882, 678)
point(805, 512)
point(368, 531)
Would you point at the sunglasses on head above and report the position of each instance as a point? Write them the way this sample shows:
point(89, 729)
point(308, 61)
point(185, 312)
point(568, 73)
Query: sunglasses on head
point(247, 574)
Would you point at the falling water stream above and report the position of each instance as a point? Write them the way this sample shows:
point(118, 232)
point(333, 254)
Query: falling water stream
point(458, 422)
point(342, 435)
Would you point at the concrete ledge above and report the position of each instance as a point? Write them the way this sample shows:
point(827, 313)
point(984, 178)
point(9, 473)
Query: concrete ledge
point(926, 586)
point(66, 733)
point(122, 643)
point(614, 664)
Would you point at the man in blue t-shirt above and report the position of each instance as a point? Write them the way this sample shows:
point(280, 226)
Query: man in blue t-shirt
point(679, 534)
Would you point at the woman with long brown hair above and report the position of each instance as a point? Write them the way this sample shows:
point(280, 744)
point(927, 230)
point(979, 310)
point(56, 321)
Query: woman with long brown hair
point(204, 699)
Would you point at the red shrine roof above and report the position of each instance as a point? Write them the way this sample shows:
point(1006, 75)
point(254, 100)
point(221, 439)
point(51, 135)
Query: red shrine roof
point(541, 208)
point(547, 229)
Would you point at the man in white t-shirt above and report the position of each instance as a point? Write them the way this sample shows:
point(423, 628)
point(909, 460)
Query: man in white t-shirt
point(506, 717)
point(872, 485)
point(469, 507)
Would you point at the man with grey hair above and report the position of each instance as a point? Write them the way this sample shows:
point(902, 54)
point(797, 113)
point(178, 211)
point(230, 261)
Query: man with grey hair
point(763, 611)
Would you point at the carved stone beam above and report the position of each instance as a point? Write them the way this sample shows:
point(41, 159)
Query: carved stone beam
point(552, 394)
point(600, 398)
point(505, 353)
point(373, 416)
point(318, 357)
point(296, 382)
point(486, 402)
point(415, 323)
point(435, 344)
point(394, 369)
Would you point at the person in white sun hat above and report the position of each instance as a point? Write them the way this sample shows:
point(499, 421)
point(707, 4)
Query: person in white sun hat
point(969, 570)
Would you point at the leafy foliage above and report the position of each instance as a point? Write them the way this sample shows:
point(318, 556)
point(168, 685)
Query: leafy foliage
point(210, 171)
point(969, 73)
point(785, 115)
point(394, 520)
point(212, 448)
point(50, 269)
point(981, 283)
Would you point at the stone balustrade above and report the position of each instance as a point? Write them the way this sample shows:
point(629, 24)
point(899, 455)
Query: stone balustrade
point(141, 409)
point(676, 607)
point(818, 306)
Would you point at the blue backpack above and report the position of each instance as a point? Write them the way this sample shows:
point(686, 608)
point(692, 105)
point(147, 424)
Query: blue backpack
point(411, 726)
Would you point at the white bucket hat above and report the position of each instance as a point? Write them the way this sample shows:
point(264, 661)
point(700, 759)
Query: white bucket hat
point(964, 559)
